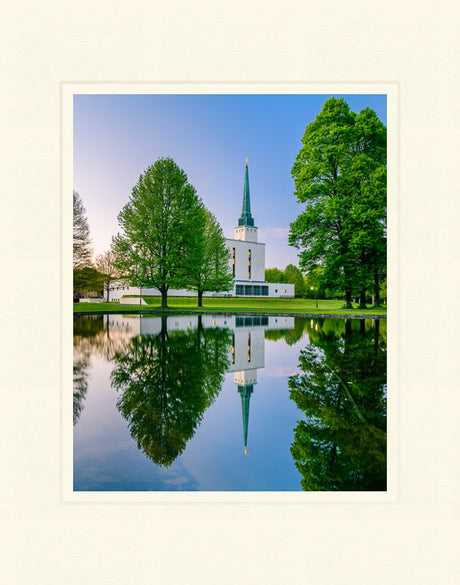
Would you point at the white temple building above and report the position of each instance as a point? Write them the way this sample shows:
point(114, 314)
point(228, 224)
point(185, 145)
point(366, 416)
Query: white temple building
point(247, 263)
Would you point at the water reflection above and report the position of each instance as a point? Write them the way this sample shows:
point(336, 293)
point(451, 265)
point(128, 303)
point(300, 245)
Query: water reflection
point(86, 331)
point(326, 423)
point(166, 382)
point(341, 443)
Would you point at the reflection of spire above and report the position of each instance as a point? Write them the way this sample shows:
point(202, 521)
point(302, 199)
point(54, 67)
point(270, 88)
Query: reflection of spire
point(245, 393)
point(246, 217)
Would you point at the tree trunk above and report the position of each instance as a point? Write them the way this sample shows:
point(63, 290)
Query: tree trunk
point(376, 289)
point(200, 298)
point(164, 328)
point(362, 300)
point(164, 298)
point(376, 336)
point(348, 304)
point(347, 333)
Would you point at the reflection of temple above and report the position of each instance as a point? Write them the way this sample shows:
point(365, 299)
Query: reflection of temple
point(247, 353)
point(247, 356)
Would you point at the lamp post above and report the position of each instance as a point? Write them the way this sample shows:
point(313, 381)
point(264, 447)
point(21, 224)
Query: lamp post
point(316, 296)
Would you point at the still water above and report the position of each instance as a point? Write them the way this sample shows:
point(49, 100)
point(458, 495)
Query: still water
point(229, 402)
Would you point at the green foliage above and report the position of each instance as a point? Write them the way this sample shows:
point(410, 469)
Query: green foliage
point(341, 444)
point(275, 275)
point(209, 269)
point(158, 244)
point(87, 279)
point(340, 174)
point(294, 275)
point(84, 329)
point(314, 284)
point(166, 382)
point(275, 334)
point(290, 274)
point(383, 289)
point(291, 336)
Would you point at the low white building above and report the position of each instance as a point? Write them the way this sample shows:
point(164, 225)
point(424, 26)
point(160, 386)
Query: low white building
point(247, 263)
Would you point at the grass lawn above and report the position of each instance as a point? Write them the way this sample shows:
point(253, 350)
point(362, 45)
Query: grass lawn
point(234, 305)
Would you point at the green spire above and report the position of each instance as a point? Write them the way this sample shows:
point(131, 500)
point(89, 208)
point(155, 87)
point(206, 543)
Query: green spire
point(246, 217)
point(245, 393)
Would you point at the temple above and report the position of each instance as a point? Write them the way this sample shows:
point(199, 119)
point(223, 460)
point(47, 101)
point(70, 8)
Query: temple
point(247, 264)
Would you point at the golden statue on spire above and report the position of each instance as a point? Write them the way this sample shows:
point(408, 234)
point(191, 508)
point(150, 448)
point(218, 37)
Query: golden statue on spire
point(247, 158)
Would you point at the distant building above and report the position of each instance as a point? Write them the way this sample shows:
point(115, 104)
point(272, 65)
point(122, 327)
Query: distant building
point(247, 264)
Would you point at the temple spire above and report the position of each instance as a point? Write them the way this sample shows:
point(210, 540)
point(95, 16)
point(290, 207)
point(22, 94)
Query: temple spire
point(245, 393)
point(246, 217)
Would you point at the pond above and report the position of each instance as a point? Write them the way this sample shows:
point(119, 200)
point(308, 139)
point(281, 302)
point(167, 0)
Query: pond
point(229, 403)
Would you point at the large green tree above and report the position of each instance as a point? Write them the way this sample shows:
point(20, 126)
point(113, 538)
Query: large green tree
point(209, 268)
point(159, 236)
point(339, 174)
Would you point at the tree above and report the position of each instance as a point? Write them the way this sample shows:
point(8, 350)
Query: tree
point(158, 230)
point(82, 251)
point(87, 279)
point(105, 263)
point(368, 238)
point(274, 275)
point(338, 173)
point(85, 276)
point(294, 275)
point(210, 265)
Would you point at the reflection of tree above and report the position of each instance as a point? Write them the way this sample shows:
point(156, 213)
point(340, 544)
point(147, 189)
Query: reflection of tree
point(92, 336)
point(291, 336)
point(167, 381)
point(342, 443)
point(96, 334)
point(86, 329)
point(80, 383)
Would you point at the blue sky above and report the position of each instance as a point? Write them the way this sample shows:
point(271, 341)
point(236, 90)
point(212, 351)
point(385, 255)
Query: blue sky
point(116, 137)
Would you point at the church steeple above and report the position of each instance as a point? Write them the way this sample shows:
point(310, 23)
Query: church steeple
point(246, 230)
point(245, 393)
point(246, 217)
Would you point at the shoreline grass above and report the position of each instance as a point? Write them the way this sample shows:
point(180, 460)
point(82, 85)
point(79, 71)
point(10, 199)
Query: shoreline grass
point(236, 305)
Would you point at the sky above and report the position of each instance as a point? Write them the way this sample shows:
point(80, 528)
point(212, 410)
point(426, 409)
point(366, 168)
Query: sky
point(116, 137)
